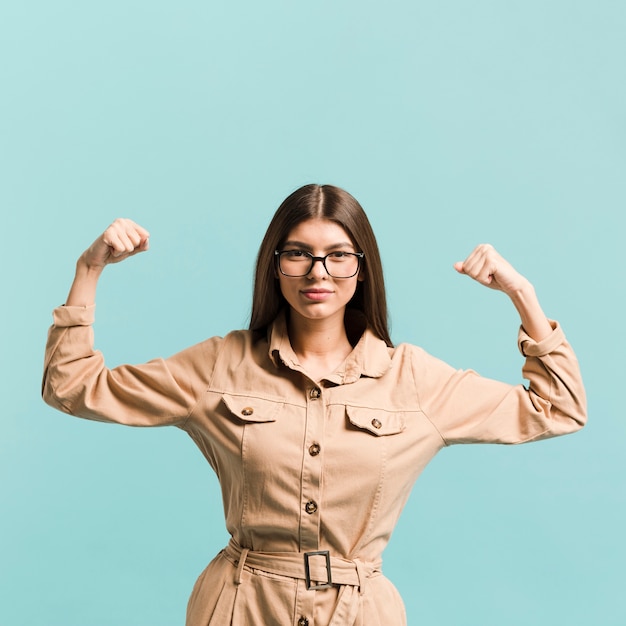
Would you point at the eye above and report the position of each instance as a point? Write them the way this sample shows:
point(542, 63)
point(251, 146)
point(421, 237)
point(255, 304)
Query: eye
point(339, 255)
point(295, 254)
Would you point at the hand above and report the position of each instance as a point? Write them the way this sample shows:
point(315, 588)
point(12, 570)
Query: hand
point(122, 239)
point(486, 266)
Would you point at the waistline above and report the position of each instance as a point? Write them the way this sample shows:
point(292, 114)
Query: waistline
point(317, 568)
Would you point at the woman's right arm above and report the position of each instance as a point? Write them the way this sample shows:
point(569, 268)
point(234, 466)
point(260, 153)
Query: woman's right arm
point(76, 379)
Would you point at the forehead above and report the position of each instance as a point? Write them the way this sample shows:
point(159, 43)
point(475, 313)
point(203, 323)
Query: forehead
point(319, 232)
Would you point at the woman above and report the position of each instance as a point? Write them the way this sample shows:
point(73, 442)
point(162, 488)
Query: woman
point(316, 426)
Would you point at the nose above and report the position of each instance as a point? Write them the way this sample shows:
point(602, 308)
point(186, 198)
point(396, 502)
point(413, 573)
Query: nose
point(318, 269)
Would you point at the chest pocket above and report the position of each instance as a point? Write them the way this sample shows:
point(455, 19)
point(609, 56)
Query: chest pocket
point(376, 421)
point(251, 409)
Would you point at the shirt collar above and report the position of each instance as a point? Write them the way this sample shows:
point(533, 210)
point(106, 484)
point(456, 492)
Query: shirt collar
point(370, 356)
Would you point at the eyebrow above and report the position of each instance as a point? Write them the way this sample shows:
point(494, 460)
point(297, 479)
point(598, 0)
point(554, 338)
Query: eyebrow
point(306, 246)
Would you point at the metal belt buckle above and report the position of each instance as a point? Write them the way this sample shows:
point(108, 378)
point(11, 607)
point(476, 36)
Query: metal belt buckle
point(307, 571)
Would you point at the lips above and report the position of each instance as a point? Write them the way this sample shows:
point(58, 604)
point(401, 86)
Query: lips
point(317, 295)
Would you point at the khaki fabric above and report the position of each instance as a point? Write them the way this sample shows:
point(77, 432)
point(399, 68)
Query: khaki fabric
point(305, 465)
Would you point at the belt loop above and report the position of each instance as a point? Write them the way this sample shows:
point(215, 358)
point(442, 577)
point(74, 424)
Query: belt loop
point(240, 564)
point(360, 572)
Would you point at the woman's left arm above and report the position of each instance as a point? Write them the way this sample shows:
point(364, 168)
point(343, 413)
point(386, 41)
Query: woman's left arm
point(489, 268)
point(467, 408)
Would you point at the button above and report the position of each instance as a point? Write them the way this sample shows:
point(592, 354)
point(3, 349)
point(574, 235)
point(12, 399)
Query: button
point(310, 507)
point(247, 411)
point(376, 423)
point(303, 621)
point(315, 393)
point(314, 449)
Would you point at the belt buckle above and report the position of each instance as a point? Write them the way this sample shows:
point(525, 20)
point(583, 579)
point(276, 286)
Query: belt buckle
point(307, 571)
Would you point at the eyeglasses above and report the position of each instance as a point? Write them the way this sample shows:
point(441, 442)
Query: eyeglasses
point(296, 263)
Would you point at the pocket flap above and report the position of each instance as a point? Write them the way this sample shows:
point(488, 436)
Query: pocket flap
point(251, 409)
point(376, 421)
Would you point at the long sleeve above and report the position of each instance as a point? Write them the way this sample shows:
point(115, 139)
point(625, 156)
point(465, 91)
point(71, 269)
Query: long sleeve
point(158, 393)
point(467, 408)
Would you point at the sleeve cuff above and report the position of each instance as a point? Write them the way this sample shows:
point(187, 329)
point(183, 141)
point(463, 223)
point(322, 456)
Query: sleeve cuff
point(530, 347)
point(65, 316)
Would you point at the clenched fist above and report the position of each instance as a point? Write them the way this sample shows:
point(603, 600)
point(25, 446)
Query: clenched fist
point(123, 238)
point(489, 268)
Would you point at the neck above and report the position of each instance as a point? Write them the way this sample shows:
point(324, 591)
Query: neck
point(319, 344)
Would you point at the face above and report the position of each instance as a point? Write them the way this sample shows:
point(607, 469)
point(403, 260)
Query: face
point(318, 296)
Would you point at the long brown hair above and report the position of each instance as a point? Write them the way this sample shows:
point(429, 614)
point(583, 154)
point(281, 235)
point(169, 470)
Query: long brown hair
point(331, 203)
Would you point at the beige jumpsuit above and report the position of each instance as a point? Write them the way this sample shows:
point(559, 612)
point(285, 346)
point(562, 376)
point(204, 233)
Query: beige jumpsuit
point(310, 467)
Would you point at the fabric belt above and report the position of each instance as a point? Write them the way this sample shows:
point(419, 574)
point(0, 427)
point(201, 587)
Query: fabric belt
point(317, 568)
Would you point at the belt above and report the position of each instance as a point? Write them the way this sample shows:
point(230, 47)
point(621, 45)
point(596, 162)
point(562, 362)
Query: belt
point(318, 569)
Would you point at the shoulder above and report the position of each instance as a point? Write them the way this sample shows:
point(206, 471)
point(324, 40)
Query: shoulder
point(423, 364)
point(238, 345)
point(212, 347)
point(201, 359)
point(410, 351)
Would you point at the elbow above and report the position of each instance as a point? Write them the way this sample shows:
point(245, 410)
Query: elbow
point(46, 391)
point(580, 418)
point(578, 414)
point(562, 416)
point(51, 396)
point(575, 418)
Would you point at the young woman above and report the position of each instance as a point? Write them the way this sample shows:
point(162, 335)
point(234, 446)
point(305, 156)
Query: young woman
point(316, 425)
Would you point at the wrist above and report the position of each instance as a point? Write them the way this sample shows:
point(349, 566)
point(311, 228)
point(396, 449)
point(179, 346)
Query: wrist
point(83, 289)
point(533, 319)
point(523, 294)
point(85, 270)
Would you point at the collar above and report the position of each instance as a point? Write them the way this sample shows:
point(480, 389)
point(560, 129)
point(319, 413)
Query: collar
point(370, 356)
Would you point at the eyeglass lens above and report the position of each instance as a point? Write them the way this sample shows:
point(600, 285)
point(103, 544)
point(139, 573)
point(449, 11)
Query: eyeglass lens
point(337, 264)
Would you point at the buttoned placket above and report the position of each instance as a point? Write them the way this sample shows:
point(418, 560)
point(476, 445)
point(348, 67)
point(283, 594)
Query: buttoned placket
point(312, 469)
point(311, 494)
point(311, 497)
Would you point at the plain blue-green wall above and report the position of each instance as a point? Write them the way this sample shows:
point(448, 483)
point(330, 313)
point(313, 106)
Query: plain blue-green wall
point(453, 123)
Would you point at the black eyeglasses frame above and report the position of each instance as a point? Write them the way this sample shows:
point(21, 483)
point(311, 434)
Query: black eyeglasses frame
point(314, 259)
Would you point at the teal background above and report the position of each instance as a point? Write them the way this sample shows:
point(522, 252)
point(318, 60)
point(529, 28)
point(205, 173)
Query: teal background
point(453, 123)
